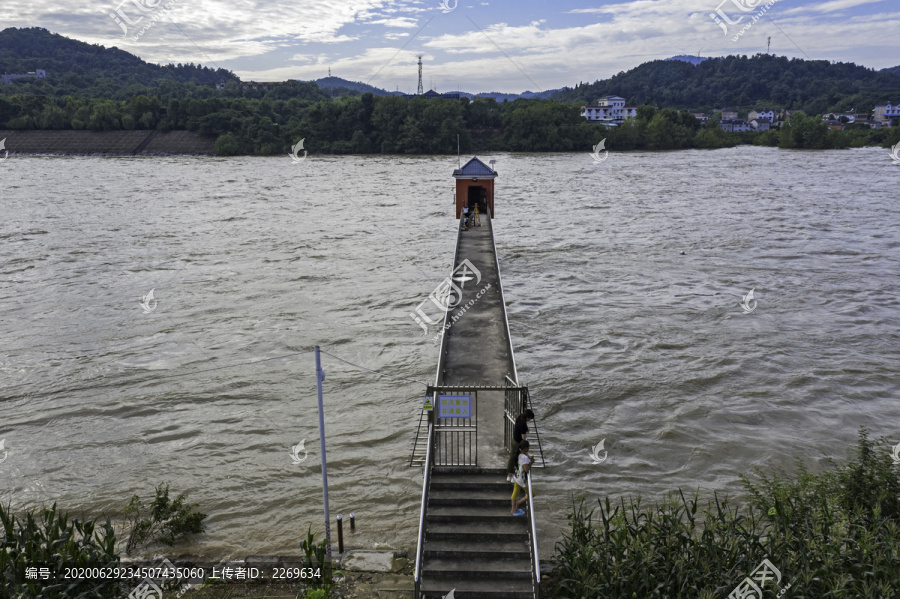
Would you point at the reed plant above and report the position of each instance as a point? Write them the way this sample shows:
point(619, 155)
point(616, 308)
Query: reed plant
point(55, 541)
point(831, 535)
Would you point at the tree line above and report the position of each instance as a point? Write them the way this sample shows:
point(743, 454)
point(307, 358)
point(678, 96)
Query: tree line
point(747, 83)
point(394, 125)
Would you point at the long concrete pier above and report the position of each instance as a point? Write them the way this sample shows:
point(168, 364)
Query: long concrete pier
point(478, 348)
point(469, 541)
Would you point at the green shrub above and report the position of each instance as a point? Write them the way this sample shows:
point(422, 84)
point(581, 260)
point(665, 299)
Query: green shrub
point(226, 145)
point(315, 555)
point(51, 539)
point(834, 535)
point(168, 522)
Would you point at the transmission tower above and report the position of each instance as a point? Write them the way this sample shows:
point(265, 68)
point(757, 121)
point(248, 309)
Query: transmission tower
point(421, 91)
point(770, 45)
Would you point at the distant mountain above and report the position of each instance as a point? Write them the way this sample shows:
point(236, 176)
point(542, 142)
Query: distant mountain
point(502, 97)
point(341, 87)
point(763, 80)
point(336, 87)
point(691, 59)
point(77, 68)
point(892, 70)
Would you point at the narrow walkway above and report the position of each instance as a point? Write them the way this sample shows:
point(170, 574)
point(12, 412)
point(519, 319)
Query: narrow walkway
point(478, 347)
point(471, 543)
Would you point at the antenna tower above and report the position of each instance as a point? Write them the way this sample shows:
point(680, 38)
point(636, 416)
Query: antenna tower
point(421, 91)
point(769, 47)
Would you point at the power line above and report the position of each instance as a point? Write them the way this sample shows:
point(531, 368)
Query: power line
point(391, 376)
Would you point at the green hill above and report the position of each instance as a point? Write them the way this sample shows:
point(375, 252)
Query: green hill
point(763, 80)
point(91, 70)
point(336, 86)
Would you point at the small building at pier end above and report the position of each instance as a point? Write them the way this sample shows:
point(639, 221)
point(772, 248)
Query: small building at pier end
point(475, 186)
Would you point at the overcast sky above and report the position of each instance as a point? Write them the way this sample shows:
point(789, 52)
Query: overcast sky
point(508, 46)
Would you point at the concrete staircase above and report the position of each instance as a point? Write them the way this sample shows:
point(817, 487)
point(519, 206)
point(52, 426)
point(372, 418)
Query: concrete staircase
point(472, 544)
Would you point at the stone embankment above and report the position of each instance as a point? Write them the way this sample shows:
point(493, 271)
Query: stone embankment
point(107, 143)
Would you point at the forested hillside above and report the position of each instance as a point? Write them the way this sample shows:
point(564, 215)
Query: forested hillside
point(742, 83)
point(106, 89)
point(93, 71)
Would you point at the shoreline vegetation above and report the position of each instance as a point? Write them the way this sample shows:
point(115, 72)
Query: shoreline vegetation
point(370, 124)
point(835, 533)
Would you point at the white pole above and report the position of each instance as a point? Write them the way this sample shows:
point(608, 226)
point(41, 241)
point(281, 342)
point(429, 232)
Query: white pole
point(320, 376)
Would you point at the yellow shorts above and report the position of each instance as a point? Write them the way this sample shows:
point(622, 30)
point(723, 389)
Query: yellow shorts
point(517, 490)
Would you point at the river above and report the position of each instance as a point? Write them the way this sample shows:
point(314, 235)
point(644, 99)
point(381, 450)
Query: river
point(623, 280)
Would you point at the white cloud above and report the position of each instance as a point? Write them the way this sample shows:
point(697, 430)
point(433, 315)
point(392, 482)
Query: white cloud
point(395, 22)
point(360, 39)
point(834, 5)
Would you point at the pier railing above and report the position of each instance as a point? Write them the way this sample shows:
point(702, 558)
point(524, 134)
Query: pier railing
point(454, 420)
point(509, 346)
point(517, 400)
point(532, 534)
point(426, 483)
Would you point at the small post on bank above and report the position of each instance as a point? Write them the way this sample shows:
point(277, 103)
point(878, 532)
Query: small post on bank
point(320, 376)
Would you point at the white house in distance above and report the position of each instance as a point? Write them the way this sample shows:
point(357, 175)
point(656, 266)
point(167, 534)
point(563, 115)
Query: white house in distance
point(885, 112)
point(738, 125)
point(734, 125)
point(765, 113)
point(610, 110)
point(37, 74)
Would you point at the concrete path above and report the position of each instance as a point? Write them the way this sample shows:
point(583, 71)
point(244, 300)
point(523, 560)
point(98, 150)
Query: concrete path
point(478, 347)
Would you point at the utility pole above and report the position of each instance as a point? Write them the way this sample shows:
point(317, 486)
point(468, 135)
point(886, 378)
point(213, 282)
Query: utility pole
point(421, 91)
point(320, 376)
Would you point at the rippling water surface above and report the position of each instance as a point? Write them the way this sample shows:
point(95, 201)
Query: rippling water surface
point(620, 336)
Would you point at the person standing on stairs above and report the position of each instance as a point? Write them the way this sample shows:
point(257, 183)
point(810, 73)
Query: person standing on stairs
point(519, 431)
point(520, 484)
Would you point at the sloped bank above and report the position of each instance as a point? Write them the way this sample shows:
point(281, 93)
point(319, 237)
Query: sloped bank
point(107, 143)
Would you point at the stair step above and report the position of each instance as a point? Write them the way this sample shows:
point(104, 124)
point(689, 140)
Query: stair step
point(471, 498)
point(486, 548)
point(488, 482)
point(474, 588)
point(475, 513)
point(477, 568)
point(508, 529)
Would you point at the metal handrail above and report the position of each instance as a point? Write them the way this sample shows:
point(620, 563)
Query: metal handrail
point(426, 479)
point(512, 357)
point(536, 563)
point(526, 404)
point(537, 432)
point(444, 337)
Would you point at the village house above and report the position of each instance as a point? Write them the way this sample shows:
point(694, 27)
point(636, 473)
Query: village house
point(734, 125)
point(843, 117)
point(36, 74)
point(701, 116)
point(610, 110)
point(765, 113)
point(728, 115)
point(886, 113)
point(433, 94)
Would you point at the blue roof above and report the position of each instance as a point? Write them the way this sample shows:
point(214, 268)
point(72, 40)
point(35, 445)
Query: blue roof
point(475, 168)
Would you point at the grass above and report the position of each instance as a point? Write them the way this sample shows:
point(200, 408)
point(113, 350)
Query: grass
point(831, 535)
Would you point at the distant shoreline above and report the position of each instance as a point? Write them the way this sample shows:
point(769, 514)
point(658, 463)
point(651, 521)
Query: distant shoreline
point(106, 143)
point(152, 143)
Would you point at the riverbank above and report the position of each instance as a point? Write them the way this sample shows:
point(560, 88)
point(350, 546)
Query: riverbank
point(106, 143)
point(362, 582)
